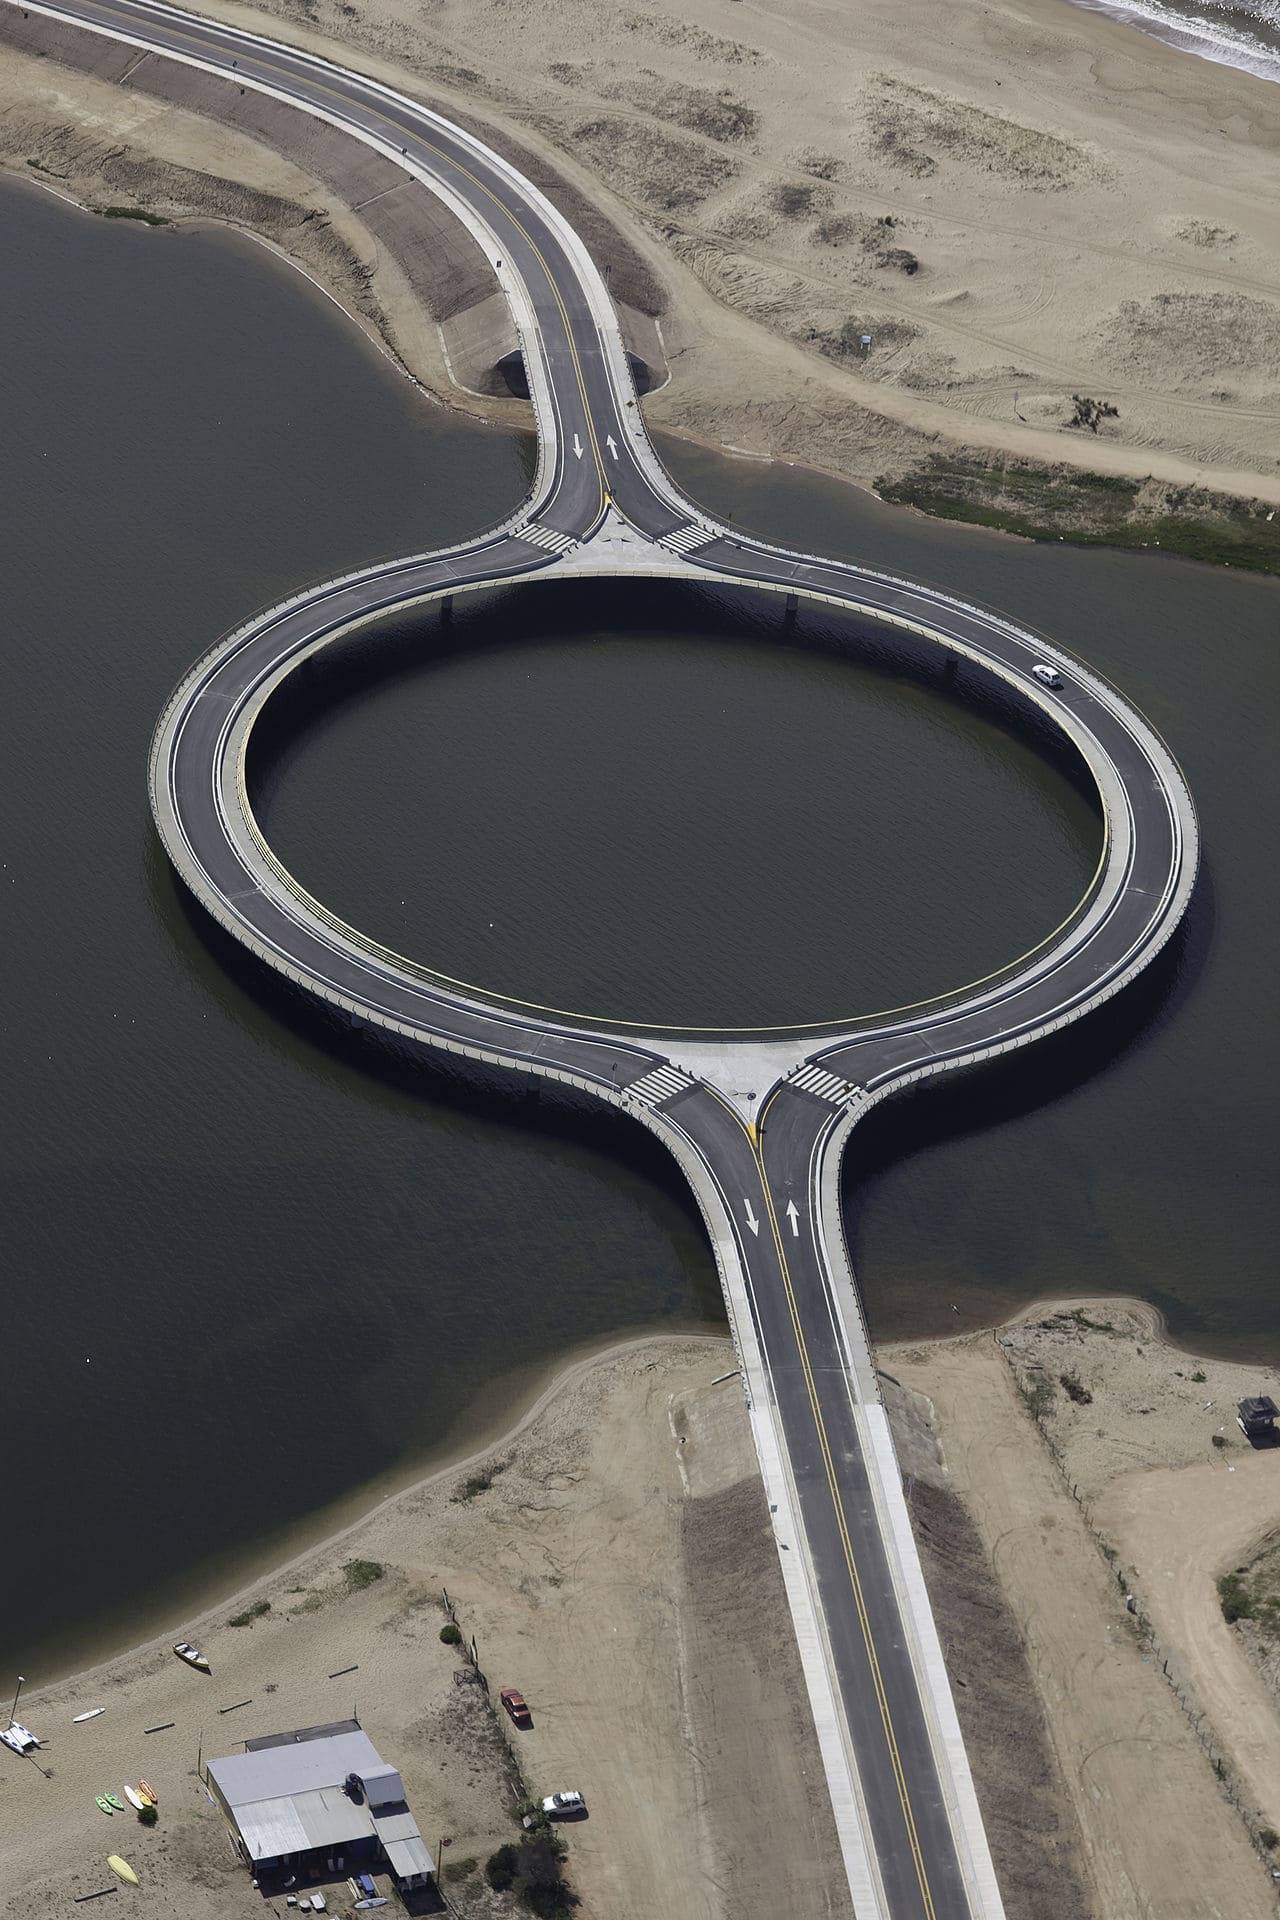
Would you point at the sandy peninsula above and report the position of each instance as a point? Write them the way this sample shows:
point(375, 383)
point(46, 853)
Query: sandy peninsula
point(1015, 201)
point(612, 1556)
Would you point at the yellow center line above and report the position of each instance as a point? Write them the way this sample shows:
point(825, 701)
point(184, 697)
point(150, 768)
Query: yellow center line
point(864, 1621)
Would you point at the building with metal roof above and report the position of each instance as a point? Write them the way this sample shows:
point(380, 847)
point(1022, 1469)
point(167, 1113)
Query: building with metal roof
point(1256, 1417)
point(319, 1800)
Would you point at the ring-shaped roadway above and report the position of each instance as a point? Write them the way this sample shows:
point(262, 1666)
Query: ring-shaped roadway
point(758, 1123)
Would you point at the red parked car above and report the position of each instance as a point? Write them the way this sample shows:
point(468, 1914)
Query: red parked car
point(516, 1705)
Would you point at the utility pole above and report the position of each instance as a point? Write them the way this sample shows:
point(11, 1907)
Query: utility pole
point(13, 1711)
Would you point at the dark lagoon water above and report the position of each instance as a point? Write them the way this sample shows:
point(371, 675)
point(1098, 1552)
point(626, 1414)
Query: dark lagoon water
point(252, 1266)
point(667, 814)
point(1137, 1152)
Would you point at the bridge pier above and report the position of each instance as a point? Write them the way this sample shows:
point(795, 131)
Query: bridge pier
point(792, 613)
point(446, 611)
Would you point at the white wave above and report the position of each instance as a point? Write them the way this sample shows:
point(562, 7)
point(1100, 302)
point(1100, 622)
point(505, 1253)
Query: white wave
point(1230, 46)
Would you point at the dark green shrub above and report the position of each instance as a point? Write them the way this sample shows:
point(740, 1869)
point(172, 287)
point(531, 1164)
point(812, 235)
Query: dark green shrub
point(363, 1573)
point(1234, 1598)
point(451, 1633)
point(500, 1868)
point(250, 1614)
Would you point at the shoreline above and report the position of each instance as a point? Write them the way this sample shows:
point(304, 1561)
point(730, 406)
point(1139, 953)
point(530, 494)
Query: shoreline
point(316, 1536)
point(614, 1560)
point(1171, 30)
point(908, 446)
point(960, 1408)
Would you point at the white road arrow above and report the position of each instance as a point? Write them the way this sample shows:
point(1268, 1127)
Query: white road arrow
point(612, 444)
point(752, 1222)
point(793, 1215)
point(577, 447)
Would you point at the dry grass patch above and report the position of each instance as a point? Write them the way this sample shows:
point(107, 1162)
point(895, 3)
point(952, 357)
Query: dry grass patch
point(843, 342)
point(1203, 233)
point(662, 172)
point(1180, 337)
point(715, 114)
point(690, 39)
point(911, 126)
point(876, 237)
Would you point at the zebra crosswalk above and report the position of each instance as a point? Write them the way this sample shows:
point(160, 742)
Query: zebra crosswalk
point(687, 539)
point(547, 537)
point(659, 1084)
point(823, 1085)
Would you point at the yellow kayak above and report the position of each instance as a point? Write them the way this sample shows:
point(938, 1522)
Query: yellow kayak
point(122, 1869)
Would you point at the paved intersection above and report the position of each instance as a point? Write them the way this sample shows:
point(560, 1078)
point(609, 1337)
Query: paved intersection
point(757, 1121)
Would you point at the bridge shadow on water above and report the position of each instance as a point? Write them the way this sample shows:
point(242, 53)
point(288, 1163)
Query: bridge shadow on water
point(981, 1099)
point(970, 1102)
point(465, 1087)
point(400, 647)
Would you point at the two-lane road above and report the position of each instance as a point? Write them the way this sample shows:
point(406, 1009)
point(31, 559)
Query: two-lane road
point(764, 1164)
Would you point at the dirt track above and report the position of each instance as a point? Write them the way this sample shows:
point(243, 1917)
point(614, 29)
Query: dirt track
point(1179, 1529)
point(1161, 1842)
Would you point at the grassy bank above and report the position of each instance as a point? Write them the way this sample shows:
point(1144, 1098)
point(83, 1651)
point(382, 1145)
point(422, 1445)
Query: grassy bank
point(1093, 509)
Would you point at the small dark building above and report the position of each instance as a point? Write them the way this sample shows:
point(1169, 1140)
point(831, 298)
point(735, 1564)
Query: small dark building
point(1257, 1418)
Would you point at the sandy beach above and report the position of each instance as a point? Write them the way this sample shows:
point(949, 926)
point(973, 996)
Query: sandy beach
point(612, 1556)
point(1024, 203)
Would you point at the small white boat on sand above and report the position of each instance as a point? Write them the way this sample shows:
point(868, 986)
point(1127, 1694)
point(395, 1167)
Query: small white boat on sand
point(20, 1738)
point(92, 1714)
point(192, 1656)
point(135, 1799)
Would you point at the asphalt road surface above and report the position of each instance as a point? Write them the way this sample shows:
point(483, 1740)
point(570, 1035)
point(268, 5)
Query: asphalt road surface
point(757, 1121)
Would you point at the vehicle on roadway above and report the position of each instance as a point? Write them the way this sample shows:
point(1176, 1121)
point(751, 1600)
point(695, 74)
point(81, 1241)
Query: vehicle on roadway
point(562, 1806)
point(516, 1705)
point(1049, 676)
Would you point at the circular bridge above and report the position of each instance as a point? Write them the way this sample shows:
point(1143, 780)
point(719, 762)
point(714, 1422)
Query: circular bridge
point(756, 1120)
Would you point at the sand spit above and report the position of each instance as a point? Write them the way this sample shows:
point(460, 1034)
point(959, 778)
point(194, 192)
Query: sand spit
point(613, 1557)
point(600, 1555)
point(1035, 204)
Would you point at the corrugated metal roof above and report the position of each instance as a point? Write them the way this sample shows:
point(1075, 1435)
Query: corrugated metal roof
point(270, 1828)
point(288, 1798)
point(409, 1857)
point(394, 1826)
point(293, 1823)
point(271, 1772)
